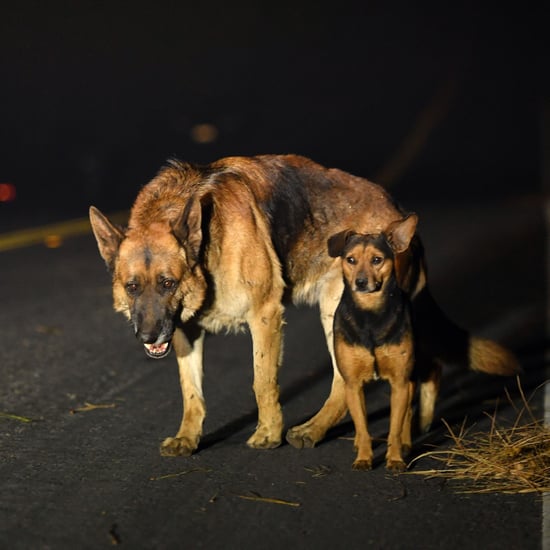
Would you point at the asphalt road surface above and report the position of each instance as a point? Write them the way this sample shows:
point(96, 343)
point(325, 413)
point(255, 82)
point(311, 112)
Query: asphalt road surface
point(76, 476)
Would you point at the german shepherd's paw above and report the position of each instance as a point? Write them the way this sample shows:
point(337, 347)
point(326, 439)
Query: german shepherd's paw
point(177, 446)
point(262, 438)
point(362, 465)
point(300, 438)
point(396, 466)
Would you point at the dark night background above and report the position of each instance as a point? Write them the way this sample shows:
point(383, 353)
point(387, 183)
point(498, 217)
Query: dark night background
point(95, 96)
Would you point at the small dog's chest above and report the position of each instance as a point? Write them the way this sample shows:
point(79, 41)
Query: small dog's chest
point(371, 329)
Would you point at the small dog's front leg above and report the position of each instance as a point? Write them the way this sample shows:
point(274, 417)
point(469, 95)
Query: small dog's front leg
point(400, 403)
point(363, 444)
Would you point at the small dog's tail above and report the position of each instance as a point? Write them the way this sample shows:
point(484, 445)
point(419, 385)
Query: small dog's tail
point(441, 340)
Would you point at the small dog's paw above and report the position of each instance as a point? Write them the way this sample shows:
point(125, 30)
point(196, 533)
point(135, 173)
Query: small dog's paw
point(396, 466)
point(299, 439)
point(177, 446)
point(362, 465)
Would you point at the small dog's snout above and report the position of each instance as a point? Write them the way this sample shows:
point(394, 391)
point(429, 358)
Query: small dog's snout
point(361, 283)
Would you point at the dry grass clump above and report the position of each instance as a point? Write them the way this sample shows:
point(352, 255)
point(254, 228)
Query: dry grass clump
point(505, 460)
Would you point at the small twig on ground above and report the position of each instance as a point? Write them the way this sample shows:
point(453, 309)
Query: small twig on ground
point(9, 416)
point(179, 474)
point(258, 498)
point(92, 407)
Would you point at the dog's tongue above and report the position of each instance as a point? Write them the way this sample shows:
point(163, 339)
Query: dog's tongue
point(156, 349)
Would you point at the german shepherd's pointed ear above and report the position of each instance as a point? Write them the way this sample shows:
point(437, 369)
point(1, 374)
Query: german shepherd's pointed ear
point(401, 232)
point(188, 229)
point(337, 243)
point(107, 235)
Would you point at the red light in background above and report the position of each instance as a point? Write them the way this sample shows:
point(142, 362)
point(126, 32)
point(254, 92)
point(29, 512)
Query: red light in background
point(7, 192)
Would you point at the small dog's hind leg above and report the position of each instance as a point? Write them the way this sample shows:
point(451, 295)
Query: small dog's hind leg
point(429, 390)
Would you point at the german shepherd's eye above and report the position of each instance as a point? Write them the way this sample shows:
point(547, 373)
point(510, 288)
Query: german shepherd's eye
point(168, 284)
point(377, 260)
point(351, 260)
point(132, 288)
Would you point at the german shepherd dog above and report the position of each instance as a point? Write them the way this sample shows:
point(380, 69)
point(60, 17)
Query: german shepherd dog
point(373, 333)
point(217, 247)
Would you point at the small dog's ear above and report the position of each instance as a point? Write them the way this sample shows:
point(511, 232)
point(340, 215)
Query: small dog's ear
point(337, 243)
point(401, 232)
point(108, 236)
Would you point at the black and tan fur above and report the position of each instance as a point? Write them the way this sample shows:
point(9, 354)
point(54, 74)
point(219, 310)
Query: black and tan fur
point(217, 247)
point(373, 334)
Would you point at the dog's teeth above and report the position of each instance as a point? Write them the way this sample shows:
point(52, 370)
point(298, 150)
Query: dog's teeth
point(156, 349)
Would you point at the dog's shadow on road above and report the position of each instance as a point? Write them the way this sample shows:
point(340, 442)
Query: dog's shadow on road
point(288, 393)
point(466, 398)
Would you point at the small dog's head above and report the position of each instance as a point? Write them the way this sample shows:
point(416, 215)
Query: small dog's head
point(157, 279)
point(368, 260)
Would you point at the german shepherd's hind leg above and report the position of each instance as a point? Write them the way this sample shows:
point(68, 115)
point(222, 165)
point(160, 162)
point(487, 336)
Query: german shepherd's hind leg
point(189, 353)
point(266, 325)
point(307, 435)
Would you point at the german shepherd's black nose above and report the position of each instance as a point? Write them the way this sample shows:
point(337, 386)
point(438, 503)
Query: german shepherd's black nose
point(150, 334)
point(147, 337)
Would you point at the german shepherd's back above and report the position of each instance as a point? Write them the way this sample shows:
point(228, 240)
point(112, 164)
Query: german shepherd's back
point(298, 201)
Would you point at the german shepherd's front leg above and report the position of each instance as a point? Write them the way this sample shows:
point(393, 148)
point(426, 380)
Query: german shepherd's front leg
point(189, 354)
point(266, 329)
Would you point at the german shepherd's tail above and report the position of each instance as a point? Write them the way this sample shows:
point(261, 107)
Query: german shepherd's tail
point(439, 339)
point(492, 358)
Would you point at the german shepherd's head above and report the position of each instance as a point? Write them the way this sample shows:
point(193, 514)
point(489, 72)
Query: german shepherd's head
point(368, 261)
point(157, 279)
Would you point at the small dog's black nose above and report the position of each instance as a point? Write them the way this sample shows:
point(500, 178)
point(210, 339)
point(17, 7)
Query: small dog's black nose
point(361, 283)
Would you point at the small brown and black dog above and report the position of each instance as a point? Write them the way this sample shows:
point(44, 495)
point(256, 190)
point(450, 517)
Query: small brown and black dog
point(373, 334)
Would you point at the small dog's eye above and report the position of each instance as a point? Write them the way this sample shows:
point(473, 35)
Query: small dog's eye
point(350, 260)
point(132, 288)
point(377, 260)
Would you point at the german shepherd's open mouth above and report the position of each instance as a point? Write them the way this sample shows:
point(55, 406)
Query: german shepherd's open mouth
point(157, 351)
